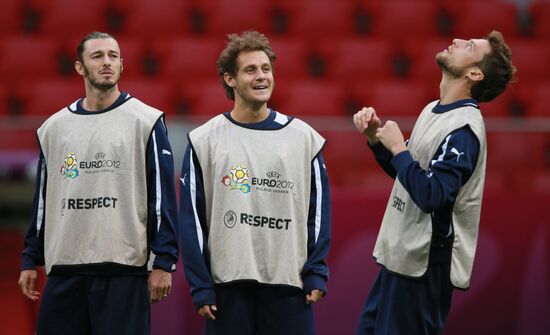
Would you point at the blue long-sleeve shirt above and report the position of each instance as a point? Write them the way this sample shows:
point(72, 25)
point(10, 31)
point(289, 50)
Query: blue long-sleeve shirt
point(161, 208)
point(434, 190)
point(194, 231)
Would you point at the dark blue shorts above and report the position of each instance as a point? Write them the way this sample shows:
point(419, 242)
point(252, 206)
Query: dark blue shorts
point(250, 308)
point(412, 306)
point(82, 305)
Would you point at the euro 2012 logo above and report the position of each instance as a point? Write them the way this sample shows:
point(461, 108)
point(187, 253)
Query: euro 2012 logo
point(68, 169)
point(238, 179)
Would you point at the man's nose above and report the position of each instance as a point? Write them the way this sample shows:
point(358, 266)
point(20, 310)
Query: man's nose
point(457, 41)
point(106, 61)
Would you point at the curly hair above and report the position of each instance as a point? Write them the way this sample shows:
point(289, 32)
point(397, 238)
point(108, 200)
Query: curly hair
point(497, 68)
point(247, 41)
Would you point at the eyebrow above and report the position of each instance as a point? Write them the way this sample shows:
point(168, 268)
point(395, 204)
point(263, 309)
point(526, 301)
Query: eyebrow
point(473, 44)
point(101, 51)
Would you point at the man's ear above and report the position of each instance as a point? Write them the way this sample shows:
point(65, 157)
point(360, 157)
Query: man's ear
point(79, 68)
point(475, 74)
point(228, 78)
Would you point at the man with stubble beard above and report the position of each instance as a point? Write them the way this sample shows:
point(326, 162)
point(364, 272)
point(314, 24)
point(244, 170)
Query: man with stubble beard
point(104, 200)
point(427, 239)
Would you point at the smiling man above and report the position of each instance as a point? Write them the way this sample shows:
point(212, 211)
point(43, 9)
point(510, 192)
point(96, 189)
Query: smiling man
point(255, 206)
point(427, 240)
point(104, 200)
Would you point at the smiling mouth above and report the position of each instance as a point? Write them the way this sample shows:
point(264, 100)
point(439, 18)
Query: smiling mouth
point(257, 88)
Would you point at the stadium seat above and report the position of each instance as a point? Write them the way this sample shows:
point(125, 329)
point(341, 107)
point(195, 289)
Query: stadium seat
point(133, 51)
point(357, 59)
point(312, 97)
point(46, 96)
point(540, 14)
point(204, 97)
point(348, 159)
point(66, 18)
point(501, 106)
point(476, 19)
point(154, 92)
point(533, 96)
point(11, 17)
point(224, 17)
point(422, 59)
point(320, 19)
point(23, 57)
point(394, 97)
point(187, 59)
point(401, 20)
point(292, 57)
point(531, 58)
point(150, 20)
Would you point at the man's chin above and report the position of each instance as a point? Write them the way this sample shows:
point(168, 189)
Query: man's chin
point(104, 86)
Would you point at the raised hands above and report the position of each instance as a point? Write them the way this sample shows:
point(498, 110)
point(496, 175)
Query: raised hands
point(367, 122)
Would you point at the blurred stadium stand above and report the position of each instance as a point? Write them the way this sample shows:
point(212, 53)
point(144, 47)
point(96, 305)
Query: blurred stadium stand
point(333, 57)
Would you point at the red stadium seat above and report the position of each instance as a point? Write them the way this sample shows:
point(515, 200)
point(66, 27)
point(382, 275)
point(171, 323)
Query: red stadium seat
point(476, 19)
point(422, 56)
point(132, 51)
point(11, 17)
point(25, 57)
point(501, 106)
point(317, 19)
point(349, 160)
point(531, 58)
point(154, 92)
point(540, 13)
point(292, 57)
point(150, 19)
point(533, 96)
point(204, 97)
point(394, 97)
point(185, 59)
point(402, 20)
point(47, 96)
point(312, 97)
point(66, 18)
point(224, 17)
point(357, 57)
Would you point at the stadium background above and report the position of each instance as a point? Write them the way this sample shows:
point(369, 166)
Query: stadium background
point(333, 57)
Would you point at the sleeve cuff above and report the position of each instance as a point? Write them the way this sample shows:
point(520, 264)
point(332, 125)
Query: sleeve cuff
point(27, 263)
point(312, 282)
point(377, 148)
point(204, 297)
point(164, 262)
point(401, 160)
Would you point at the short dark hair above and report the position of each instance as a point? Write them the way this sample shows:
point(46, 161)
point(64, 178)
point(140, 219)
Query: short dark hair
point(497, 69)
point(247, 41)
point(91, 36)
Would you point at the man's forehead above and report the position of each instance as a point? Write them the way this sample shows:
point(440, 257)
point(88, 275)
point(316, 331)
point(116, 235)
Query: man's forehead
point(97, 44)
point(482, 44)
point(252, 57)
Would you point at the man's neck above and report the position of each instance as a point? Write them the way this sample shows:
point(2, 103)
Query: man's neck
point(246, 113)
point(453, 89)
point(97, 100)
